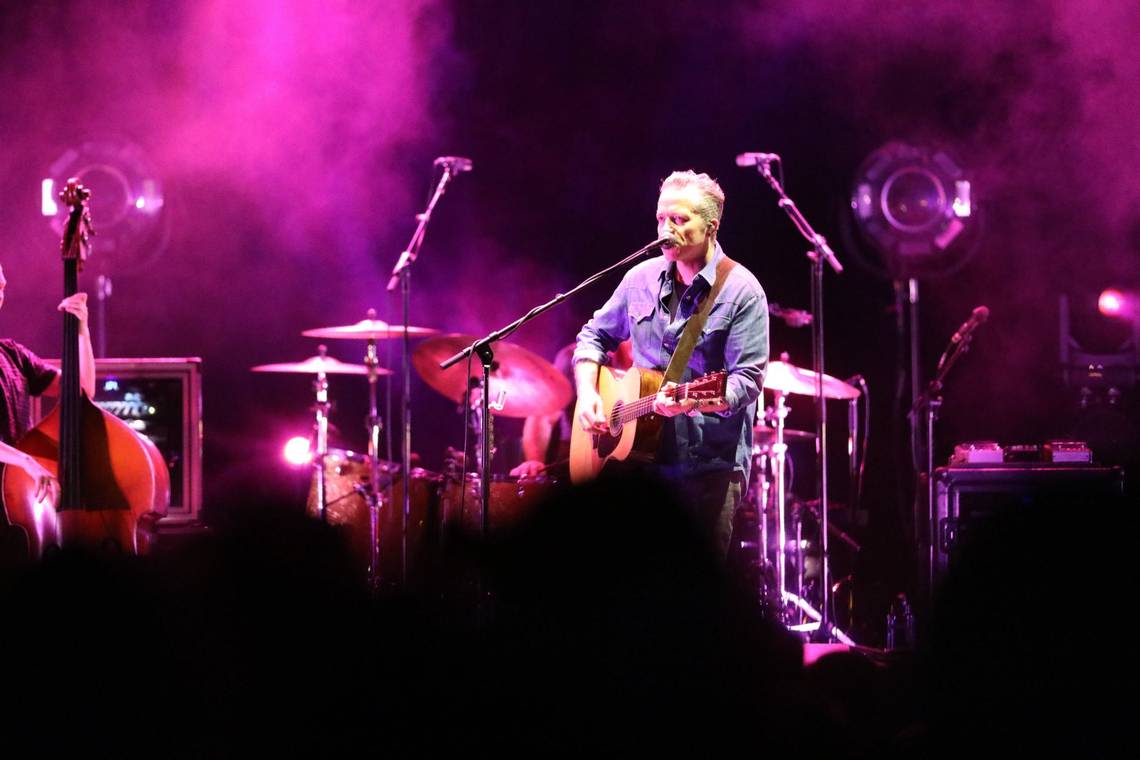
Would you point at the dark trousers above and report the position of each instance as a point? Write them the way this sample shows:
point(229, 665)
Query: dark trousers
point(712, 498)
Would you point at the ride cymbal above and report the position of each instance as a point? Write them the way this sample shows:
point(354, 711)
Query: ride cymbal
point(531, 385)
point(368, 329)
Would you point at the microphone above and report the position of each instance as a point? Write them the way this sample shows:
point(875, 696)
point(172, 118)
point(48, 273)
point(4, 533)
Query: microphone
point(664, 240)
point(754, 159)
point(456, 164)
point(979, 315)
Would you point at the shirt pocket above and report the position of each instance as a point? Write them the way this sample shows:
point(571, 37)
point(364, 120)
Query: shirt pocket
point(640, 310)
point(710, 347)
point(716, 325)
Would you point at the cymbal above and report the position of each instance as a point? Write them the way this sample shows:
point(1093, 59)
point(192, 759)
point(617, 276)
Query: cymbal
point(533, 385)
point(368, 329)
point(320, 363)
point(764, 435)
point(788, 378)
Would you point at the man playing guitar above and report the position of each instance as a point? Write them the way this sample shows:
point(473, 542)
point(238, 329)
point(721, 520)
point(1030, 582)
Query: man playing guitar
point(706, 450)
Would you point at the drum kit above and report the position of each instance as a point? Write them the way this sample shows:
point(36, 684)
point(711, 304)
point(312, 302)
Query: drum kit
point(768, 489)
point(363, 492)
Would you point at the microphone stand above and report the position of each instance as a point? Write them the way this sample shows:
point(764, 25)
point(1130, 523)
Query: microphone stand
point(928, 403)
point(401, 276)
point(819, 253)
point(482, 347)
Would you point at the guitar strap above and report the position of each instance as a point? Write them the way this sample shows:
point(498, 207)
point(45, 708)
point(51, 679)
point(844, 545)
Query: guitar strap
point(696, 323)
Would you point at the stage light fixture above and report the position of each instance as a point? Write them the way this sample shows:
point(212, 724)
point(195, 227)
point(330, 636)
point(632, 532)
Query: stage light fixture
point(296, 451)
point(126, 196)
point(916, 207)
point(1114, 303)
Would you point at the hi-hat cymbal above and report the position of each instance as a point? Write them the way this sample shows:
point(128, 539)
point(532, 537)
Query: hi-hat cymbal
point(788, 378)
point(316, 364)
point(368, 329)
point(532, 385)
point(762, 435)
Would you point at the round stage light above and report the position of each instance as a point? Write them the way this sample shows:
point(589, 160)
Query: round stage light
point(1112, 303)
point(915, 207)
point(296, 451)
point(126, 197)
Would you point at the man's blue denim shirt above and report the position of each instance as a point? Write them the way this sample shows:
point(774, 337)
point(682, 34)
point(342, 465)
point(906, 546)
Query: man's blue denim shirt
point(735, 338)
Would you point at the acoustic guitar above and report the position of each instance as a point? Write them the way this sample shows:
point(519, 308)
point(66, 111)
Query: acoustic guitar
point(634, 429)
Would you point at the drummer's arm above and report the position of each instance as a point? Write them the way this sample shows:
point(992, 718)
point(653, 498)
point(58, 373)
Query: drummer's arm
point(536, 435)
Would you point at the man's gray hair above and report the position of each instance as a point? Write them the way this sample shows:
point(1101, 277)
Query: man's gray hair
point(712, 196)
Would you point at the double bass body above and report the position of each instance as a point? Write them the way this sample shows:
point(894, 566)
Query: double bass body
point(123, 478)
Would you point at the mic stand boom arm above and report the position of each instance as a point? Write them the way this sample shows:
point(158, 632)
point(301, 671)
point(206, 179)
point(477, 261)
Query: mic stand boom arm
point(482, 347)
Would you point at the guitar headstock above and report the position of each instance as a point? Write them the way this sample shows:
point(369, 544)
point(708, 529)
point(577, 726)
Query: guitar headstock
point(710, 386)
point(77, 233)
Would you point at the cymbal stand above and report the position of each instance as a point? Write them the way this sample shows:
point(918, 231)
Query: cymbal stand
point(760, 495)
point(779, 460)
point(401, 277)
point(819, 253)
point(375, 427)
point(322, 406)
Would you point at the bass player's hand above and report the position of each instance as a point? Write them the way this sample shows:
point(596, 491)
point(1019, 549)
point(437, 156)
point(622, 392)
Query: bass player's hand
point(46, 484)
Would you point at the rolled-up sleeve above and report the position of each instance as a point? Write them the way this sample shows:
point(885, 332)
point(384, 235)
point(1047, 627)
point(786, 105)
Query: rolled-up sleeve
point(746, 353)
point(606, 329)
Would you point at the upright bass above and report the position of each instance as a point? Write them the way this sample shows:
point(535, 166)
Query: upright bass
point(111, 479)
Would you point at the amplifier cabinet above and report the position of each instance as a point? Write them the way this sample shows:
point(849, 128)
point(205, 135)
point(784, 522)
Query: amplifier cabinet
point(162, 399)
point(966, 496)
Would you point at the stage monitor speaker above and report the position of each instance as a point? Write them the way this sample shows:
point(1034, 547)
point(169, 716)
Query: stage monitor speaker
point(161, 398)
point(968, 496)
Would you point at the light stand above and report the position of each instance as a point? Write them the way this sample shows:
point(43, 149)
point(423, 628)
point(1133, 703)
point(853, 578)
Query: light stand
point(375, 427)
point(482, 347)
point(819, 253)
point(401, 276)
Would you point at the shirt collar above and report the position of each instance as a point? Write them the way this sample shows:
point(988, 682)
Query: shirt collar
point(708, 273)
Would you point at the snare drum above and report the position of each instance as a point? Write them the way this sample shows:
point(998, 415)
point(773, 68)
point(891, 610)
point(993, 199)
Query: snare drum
point(512, 500)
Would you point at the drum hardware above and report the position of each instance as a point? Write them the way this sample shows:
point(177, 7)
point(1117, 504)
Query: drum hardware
point(370, 329)
point(521, 384)
point(512, 499)
point(321, 366)
point(771, 440)
point(349, 490)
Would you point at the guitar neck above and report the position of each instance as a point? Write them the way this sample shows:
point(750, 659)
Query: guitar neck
point(643, 406)
point(69, 417)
